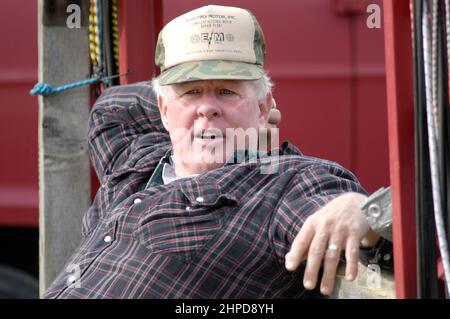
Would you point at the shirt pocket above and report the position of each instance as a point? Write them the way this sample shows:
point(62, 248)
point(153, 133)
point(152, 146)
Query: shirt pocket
point(182, 226)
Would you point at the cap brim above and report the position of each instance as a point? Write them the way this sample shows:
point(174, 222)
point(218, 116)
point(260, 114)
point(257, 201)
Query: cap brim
point(210, 70)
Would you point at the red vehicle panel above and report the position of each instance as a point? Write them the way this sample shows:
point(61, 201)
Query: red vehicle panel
point(328, 68)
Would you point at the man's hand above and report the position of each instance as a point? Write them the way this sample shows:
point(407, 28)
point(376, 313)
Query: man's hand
point(339, 225)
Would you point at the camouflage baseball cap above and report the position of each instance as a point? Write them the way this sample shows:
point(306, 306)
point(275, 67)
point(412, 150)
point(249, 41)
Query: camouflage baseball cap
point(211, 43)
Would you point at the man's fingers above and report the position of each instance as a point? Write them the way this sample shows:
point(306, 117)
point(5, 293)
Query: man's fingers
point(331, 262)
point(315, 255)
point(352, 258)
point(299, 247)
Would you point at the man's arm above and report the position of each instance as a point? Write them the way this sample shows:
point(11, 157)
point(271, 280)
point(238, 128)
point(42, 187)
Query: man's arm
point(125, 129)
point(322, 208)
point(308, 192)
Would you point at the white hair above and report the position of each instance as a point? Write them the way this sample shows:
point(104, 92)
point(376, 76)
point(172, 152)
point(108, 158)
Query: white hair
point(262, 86)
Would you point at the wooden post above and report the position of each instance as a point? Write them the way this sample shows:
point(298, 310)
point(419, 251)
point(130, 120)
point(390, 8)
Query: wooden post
point(64, 175)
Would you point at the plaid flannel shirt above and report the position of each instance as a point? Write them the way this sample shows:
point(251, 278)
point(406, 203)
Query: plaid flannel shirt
point(221, 234)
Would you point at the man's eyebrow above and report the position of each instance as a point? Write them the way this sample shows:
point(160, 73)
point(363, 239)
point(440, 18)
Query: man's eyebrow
point(182, 86)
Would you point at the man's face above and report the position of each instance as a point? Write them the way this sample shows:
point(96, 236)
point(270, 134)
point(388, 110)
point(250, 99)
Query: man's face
point(202, 116)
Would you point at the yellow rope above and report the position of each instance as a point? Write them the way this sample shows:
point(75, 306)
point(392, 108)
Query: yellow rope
point(115, 31)
point(93, 33)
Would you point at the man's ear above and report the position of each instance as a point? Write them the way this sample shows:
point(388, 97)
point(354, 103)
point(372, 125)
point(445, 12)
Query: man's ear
point(264, 109)
point(162, 106)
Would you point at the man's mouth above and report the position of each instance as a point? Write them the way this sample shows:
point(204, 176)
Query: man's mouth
point(209, 135)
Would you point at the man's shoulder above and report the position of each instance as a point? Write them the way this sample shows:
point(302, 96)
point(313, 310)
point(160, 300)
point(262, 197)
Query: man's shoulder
point(301, 162)
point(290, 157)
point(278, 165)
point(140, 92)
point(137, 87)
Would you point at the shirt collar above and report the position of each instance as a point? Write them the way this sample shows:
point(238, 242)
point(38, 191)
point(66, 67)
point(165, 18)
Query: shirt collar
point(168, 173)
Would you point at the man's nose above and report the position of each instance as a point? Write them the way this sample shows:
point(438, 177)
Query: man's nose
point(208, 108)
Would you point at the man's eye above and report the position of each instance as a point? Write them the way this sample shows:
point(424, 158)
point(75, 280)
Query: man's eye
point(192, 92)
point(226, 92)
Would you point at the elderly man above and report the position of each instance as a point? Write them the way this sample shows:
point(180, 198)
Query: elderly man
point(204, 212)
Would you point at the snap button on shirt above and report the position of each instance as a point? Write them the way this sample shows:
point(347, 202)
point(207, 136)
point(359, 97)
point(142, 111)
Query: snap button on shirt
point(199, 199)
point(71, 279)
